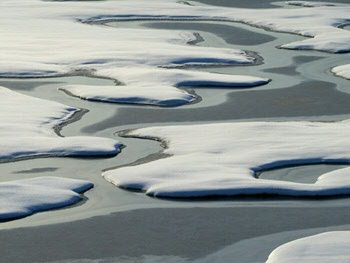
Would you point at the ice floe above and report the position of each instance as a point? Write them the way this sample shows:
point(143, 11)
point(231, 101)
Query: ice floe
point(222, 159)
point(24, 197)
point(29, 128)
point(158, 86)
point(327, 247)
point(342, 71)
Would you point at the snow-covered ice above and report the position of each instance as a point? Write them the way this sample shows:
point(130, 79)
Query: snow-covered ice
point(149, 95)
point(326, 247)
point(158, 86)
point(44, 25)
point(50, 38)
point(28, 129)
point(24, 197)
point(342, 71)
point(221, 159)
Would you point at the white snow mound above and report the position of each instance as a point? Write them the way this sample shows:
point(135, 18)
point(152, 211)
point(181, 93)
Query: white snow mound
point(342, 71)
point(221, 159)
point(28, 129)
point(24, 197)
point(327, 247)
point(158, 86)
point(149, 95)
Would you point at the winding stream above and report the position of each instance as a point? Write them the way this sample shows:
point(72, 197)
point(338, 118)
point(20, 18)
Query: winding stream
point(302, 88)
point(304, 97)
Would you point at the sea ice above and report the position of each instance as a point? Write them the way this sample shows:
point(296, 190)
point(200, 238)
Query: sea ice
point(28, 129)
point(327, 247)
point(221, 159)
point(24, 197)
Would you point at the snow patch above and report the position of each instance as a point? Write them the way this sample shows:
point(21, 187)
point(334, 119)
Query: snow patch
point(158, 86)
point(24, 197)
point(221, 159)
point(43, 25)
point(342, 71)
point(148, 95)
point(326, 247)
point(28, 129)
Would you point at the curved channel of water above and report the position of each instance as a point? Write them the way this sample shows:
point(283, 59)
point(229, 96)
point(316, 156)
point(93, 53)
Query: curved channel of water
point(302, 88)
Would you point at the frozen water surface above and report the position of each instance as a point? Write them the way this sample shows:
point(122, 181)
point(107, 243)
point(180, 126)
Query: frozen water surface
point(302, 88)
